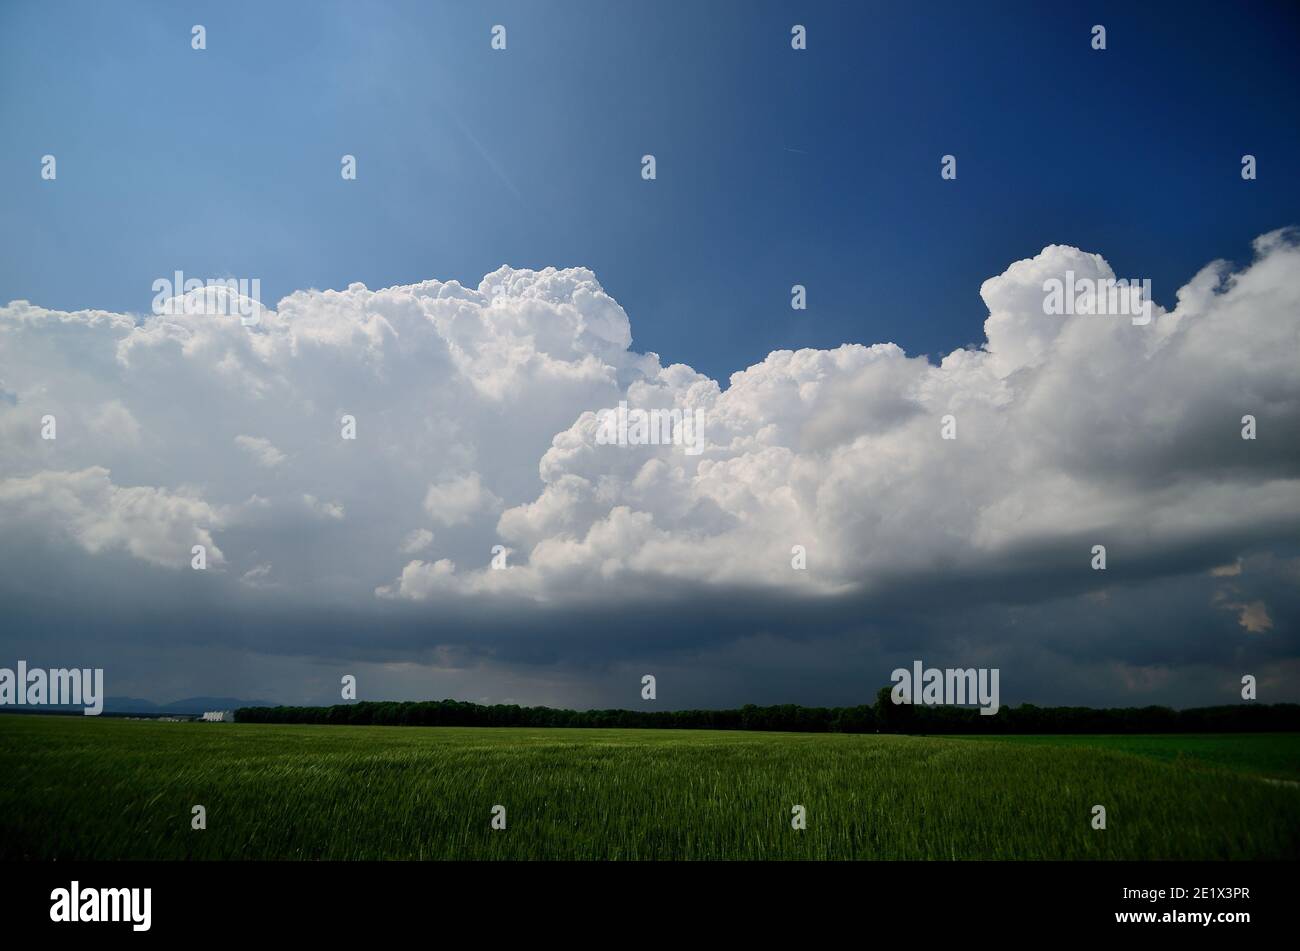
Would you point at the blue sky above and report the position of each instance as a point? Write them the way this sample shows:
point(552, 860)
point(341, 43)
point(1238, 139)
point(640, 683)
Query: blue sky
point(775, 167)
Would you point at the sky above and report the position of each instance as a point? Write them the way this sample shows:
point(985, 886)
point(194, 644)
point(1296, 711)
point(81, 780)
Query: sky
point(499, 272)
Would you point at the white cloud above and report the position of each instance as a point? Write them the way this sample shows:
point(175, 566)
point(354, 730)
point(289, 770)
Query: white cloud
point(416, 541)
point(477, 408)
point(454, 501)
point(263, 451)
point(420, 580)
point(332, 510)
point(153, 524)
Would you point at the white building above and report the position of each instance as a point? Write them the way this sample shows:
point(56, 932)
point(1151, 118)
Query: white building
point(219, 716)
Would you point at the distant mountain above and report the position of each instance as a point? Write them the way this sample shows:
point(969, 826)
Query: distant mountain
point(190, 705)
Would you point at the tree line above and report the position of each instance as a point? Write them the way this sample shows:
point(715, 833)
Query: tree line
point(883, 716)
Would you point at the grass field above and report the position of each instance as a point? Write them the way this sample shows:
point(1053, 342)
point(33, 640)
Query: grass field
point(78, 788)
point(1272, 755)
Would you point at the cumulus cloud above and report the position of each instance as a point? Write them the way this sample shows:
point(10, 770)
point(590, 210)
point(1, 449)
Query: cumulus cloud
point(153, 524)
point(416, 541)
point(1069, 429)
point(321, 509)
point(456, 500)
point(263, 451)
point(480, 408)
point(456, 392)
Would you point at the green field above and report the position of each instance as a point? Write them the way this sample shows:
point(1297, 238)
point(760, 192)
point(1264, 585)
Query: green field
point(83, 788)
point(1272, 755)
